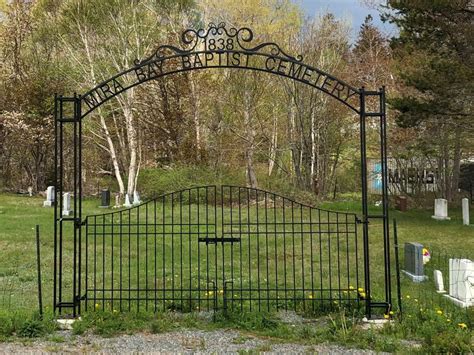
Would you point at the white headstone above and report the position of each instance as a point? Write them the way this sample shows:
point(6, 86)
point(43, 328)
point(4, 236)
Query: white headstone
point(67, 204)
point(438, 279)
point(441, 209)
point(49, 197)
point(465, 211)
point(30, 191)
point(136, 198)
point(127, 201)
point(117, 201)
point(461, 282)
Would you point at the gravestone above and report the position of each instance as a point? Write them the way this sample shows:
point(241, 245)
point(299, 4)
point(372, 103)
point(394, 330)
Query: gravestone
point(461, 282)
point(127, 201)
point(117, 201)
point(105, 198)
point(67, 204)
point(438, 279)
point(30, 191)
point(465, 211)
point(441, 209)
point(414, 262)
point(136, 198)
point(50, 195)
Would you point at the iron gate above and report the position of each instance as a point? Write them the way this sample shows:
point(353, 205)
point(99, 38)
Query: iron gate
point(212, 247)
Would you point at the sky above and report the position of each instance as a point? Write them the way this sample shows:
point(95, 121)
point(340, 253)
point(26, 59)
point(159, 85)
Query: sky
point(351, 9)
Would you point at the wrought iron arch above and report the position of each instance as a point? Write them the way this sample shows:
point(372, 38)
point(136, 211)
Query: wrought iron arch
point(215, 47)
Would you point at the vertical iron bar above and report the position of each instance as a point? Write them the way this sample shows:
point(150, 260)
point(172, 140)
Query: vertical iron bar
point(365, 225)
point(38, 264)
point(56, 187)
point(397, 266)
point(386, 227)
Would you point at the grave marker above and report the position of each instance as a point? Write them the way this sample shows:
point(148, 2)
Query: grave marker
point(461, 282)
point(438, 279)
point(105, 198)
point(414, 262)
point(50, 195)
point(127, 201)
point(67, 204)
point(465, 211)
point(441, 209)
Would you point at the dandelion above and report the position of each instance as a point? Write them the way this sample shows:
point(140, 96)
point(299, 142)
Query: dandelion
point(362, 294)
point(310, 296)
point(407, 296)
point(97, 306)
point(360, 289)
point(391, 313)
point(462, 325)
point(221, 292)
point(386, 316)
point(351, 288)
point(448, 320)
point(439, 312)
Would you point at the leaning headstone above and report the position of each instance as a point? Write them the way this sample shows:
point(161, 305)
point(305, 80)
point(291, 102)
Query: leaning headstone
point(117, 201)
point(67, 204)
point(438, 280)
point(105, 198)
point(127, 201)
point(441, 209)
point(461, 282)
point(136, 198)
point(414, 262)
point(465, 211)
point(49, 197)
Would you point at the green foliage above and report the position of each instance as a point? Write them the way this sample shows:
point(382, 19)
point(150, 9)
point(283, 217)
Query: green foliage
point(25, 325)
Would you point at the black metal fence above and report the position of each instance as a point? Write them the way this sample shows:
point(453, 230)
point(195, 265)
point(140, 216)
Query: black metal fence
point(212, 247)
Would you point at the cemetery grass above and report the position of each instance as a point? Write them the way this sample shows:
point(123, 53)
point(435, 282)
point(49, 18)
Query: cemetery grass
point(20, 214)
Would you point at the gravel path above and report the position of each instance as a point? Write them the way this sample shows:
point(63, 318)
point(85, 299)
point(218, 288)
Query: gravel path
point(184, 342)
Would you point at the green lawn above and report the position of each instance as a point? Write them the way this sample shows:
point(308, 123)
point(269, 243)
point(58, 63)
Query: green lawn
point(261, 267)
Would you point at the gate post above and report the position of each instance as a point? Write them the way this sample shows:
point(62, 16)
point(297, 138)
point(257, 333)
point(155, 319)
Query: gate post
point(380, 114)
point(365, 217)
point(67, 111)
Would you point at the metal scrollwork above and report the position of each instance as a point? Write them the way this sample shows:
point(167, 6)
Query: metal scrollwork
point(218, 38)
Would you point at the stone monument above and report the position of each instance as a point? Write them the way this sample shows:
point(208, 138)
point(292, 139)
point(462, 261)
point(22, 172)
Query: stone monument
point(441, 209)
point(438, 280)
point(461, 282)
point(414, 262)
point(127, 201)
point(67, 204)
point(465, 211)
point(105, 198)
point(50, 195)
point(136, 198)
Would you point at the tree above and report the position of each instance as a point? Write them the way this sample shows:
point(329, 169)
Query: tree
point(434, 59)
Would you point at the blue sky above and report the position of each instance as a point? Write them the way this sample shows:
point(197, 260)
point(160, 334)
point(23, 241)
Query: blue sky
point(351, 9)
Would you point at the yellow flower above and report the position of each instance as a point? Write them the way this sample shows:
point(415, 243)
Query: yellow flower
point(408, 296)
point(362, 294)
point(462, 325)
point(221, 292)
point(115, 311)
point(310, 296)
point(360, 289)
point(439, 311)
point(386, 316)
point(391, 313)
point(211, 293)
point(351, 287)
point(448, 320)
point(97, 306)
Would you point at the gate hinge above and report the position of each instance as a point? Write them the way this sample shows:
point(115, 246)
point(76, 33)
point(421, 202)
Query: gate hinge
point(78, 223)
